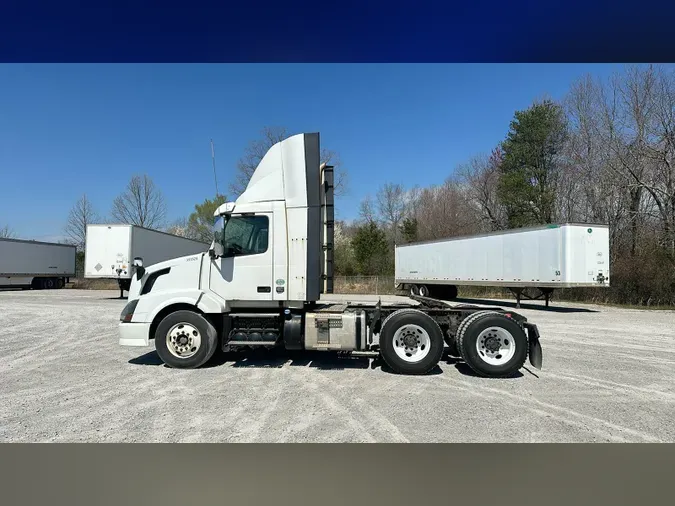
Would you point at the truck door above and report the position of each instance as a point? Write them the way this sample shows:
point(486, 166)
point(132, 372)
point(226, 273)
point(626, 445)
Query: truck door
point(245, 271)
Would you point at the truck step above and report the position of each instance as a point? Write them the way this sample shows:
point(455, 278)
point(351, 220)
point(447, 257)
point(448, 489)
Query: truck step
point(251, 343)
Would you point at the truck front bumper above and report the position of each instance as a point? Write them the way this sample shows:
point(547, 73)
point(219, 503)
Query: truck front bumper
point(134, 334)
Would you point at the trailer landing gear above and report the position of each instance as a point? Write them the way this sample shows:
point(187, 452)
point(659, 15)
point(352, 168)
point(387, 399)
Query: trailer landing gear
point(124, 284)
point(544, 293)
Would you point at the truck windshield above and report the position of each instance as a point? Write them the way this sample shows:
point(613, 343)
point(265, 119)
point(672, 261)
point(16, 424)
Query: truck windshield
point(245, 235)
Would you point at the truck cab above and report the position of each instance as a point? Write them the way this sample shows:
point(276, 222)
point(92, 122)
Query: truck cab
point(262, 280)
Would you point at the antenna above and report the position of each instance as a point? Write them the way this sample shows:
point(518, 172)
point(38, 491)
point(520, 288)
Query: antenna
point(213, 159)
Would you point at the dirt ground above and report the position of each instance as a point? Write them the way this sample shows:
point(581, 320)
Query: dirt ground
point(608, 376)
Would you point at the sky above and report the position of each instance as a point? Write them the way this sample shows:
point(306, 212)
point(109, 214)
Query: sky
point(66, 130)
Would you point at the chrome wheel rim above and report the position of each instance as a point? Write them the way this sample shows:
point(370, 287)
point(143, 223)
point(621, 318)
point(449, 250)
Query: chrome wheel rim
point(496, 346)
point(411, 343)
point(183, 340)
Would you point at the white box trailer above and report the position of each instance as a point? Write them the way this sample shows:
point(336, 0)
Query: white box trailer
point(544, 257)
point(34, 264)
point(111, 248)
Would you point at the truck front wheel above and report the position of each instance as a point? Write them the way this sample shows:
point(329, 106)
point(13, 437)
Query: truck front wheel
point(492, 344)
point(411, 342)
point(185, 340)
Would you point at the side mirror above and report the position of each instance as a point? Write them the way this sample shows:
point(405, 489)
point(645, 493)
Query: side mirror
point(216, 250)
point(140, 270)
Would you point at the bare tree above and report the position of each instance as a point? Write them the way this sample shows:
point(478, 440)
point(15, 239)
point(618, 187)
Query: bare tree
point(367, 211)
point(141, 204)
point(257, 149)
point(622, 150)
point(444, 211)
point(599, 196)
point(180, 227)
point(81, 215)
point(391, 206)
point(480, 178)
point(7, 233)
point(661, 155)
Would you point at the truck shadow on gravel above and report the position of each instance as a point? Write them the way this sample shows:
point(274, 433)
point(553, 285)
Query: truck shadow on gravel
point(465, 370)
point(321, 360)
point(523, 305)
point(273, 359)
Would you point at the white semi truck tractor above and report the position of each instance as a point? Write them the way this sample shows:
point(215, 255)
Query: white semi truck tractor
point(267, 280)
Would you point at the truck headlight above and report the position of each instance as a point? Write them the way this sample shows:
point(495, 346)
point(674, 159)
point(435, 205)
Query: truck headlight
point(128, 311)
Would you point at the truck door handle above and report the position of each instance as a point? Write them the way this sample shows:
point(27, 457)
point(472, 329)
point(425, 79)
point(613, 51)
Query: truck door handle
point(264, 289)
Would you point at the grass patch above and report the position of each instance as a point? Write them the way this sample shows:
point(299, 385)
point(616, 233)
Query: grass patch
point(93, 284)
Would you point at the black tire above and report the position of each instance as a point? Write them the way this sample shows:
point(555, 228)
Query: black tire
point(414, 290)
point(452, 340)
point(399, 319)
point(468, 334)
point(208, 333)
point(60, 283)
point(48, 283)
point(424, 291)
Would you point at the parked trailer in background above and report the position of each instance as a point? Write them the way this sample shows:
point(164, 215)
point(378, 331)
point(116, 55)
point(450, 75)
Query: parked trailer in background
point(37, 265)
point(546, 257)
point(111, 248)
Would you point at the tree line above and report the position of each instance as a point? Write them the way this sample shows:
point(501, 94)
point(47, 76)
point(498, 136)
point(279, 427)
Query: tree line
point(603, 154)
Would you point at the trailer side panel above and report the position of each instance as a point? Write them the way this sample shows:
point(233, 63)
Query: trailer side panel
point(550, 256)
point(19, 258)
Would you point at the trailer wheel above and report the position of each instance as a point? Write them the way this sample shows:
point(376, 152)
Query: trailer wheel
point(414, 290)
point(423, 291)
point(492, 344)
point(185, 340)
point(60, 283)
point(411, 342)
point(48, 283)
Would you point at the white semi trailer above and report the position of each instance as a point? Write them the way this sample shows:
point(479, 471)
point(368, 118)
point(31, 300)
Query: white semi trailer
point(111, 248)
point(34, 264)
point(545, 258)
point(262, 280)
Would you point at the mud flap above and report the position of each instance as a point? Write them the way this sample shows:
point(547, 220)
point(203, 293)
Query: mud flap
point(534, 345)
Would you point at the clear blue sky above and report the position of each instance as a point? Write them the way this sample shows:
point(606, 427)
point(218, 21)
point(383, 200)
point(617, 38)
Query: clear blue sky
point(72, 129)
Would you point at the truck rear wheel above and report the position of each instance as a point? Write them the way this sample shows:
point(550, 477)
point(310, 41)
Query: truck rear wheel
point(411, 342)
point(492, 344)
point(452, 340)
point(185, 340)
point(48, 283)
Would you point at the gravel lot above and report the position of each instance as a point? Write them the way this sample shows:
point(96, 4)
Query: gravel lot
point(609, 376)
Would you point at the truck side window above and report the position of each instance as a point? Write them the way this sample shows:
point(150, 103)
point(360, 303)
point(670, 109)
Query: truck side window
point(246, 235)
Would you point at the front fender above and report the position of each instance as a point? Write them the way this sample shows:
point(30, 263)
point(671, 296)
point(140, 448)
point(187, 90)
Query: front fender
point(150, 305)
